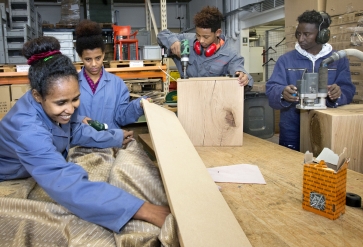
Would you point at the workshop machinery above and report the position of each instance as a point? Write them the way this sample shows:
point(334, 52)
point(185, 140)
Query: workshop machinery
point(312, 88)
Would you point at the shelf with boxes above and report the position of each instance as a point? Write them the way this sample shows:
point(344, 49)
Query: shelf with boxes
point(66, 42)
point(19, 23)
point(13, 43)
point(153, 76)
point(343, 29)
point(347, 33)
point(9, 94)
point(66, 37)
point(22, 12)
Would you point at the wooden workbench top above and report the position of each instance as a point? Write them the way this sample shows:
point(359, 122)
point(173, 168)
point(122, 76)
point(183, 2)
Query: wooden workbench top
point(272, 214)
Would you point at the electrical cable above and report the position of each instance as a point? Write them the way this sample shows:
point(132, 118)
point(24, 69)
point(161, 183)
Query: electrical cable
point(167, 73)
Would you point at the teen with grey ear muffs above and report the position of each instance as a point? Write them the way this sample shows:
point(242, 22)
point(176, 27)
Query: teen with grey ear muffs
point(311, 49)
point(211, 53)
point(323, 34)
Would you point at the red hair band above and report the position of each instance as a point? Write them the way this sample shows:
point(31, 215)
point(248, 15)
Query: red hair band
point(42, 55)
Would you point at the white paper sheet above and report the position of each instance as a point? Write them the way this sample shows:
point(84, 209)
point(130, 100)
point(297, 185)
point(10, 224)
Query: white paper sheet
point(241, 173)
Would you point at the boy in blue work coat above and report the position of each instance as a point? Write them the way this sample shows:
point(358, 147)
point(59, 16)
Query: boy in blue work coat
point(310, 50)
point(211, 53)
point(36, 134)
point(104, 96)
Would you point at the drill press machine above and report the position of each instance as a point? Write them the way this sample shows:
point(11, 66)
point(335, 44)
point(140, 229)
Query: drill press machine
point(313, 87)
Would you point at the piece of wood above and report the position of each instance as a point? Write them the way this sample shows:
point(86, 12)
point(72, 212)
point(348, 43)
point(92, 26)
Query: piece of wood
point(126, 63)
point(202, 214)
point(272, 214)
point(334, 128)
point(211, 110)
point(124, 73)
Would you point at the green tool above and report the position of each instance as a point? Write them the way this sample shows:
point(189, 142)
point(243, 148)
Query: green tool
point(184, 55)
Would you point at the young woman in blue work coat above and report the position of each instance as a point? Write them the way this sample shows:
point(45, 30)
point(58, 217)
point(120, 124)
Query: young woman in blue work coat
point(104, 96)
point(37, 132)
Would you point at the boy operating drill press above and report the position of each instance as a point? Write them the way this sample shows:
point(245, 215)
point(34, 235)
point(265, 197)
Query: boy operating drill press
point(210, 53)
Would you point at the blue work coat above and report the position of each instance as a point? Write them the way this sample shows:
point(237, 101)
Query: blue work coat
point(287, 70)
point(32, 145)
point(111, 102)
point(225, 61)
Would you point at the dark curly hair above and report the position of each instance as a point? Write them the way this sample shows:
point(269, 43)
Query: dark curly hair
point(45, 71)
point(209, 17)
point(314, 17)
point(88, 36)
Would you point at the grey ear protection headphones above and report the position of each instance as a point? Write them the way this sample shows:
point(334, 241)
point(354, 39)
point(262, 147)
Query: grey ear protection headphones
point(323, 34)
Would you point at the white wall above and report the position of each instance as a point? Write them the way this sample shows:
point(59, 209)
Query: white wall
point(136, 15)
point(196, 5)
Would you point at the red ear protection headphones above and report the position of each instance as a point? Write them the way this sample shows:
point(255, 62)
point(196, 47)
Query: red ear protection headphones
point(209, 51)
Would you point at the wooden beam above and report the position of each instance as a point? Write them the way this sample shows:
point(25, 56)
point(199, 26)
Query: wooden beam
point(203, 216)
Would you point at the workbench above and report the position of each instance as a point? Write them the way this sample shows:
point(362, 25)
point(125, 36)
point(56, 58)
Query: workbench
point(124, 73)
point(272, 214)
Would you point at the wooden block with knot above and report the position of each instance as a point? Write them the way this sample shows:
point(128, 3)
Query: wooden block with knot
point(211, 110)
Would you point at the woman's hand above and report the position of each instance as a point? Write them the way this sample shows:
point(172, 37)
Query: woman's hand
point(153, 214)
point(85, 120)
point(128, 137)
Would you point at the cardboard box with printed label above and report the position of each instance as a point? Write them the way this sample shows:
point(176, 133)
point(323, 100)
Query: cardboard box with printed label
point(324, 183)
point(18, 90)
point(4, 100)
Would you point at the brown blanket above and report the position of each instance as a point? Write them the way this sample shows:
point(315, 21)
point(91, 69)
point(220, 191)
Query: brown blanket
point(29, 217)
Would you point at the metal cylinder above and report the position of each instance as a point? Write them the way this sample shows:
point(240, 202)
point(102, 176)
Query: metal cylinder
point(323, 80)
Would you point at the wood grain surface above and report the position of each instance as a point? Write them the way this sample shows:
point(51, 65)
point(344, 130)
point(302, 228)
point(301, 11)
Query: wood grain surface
point(211, 110)
point(272, 214)
point(203, 216)
point(334, 128)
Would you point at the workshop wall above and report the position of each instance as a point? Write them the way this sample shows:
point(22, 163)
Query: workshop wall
point(133, 15)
